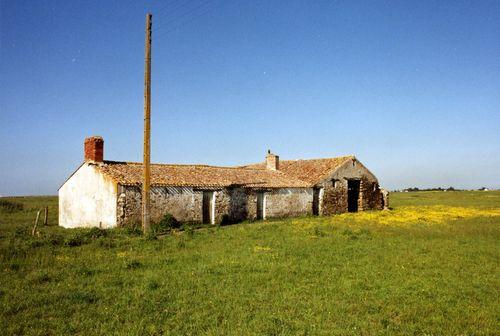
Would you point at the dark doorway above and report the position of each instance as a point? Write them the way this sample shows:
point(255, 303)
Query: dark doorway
point(315, 204)
point(208, 197)
point(352, 195)
point(260, 205)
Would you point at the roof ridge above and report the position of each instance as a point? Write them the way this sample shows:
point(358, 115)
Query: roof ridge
point(245, 166)
point(173, 164)
point(325, 158)
point(252, 165)
point(295, 173)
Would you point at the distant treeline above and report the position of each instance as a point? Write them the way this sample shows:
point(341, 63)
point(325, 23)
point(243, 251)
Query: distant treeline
point(437, 189)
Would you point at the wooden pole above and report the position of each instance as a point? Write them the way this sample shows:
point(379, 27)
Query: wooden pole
point(45, 215)
point(147, 127)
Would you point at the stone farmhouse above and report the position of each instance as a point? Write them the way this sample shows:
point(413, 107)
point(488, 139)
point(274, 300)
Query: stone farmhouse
point(108, 193)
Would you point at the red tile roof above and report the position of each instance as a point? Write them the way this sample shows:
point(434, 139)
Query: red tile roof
point(291, 174)
point(202, 176)
point(311, 171)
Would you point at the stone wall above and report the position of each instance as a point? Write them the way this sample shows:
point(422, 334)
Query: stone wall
point(288, 202)
point(241, 203)
point(183, 203)
point(370, 195)
point(238, 209)
point(222, 204)
point(232, 203)
point(251, 197)
point(237, 204)
point(334, 198)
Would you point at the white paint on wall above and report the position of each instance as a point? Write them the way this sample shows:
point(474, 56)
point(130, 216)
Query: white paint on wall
point(212, 207)
point(88, 199)
point(264, 204)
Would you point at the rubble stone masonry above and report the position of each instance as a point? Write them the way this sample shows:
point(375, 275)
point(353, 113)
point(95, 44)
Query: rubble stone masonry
point(335, 200)
point(289, 202)
point(183, 203)
point(237, 204)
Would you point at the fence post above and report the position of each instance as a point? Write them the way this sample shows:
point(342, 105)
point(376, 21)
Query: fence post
point(36, 223)
point(46, 216)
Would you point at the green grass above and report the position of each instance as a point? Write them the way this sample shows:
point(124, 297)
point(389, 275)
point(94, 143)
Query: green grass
point(428, 267)
point(477, 199)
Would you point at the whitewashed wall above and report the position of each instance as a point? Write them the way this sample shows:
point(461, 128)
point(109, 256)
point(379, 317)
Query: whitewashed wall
point(88, 199)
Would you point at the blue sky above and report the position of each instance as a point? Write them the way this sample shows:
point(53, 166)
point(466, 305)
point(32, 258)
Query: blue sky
point(412, 88)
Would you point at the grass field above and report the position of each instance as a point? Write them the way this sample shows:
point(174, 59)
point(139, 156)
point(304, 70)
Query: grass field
point(430, 266)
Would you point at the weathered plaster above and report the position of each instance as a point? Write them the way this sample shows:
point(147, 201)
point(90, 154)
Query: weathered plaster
point(87, 199)
point(288, 202)
point(237, 204)
point(184, 203)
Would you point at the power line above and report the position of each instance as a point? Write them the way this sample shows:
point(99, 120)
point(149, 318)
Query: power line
point(178, 4)
point(182, 12)
point(179, 21)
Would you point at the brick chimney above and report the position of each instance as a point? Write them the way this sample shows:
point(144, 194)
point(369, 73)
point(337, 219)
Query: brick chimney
point(272, 161)
point(94, 149)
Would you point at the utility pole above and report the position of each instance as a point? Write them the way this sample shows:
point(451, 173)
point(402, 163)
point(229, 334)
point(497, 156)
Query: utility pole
point(147, 127)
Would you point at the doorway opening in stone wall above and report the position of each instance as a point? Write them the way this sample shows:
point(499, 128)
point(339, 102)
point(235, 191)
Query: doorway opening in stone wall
point(315, 205)
point(260, 205)
point(352, 195)
point(207, 206)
